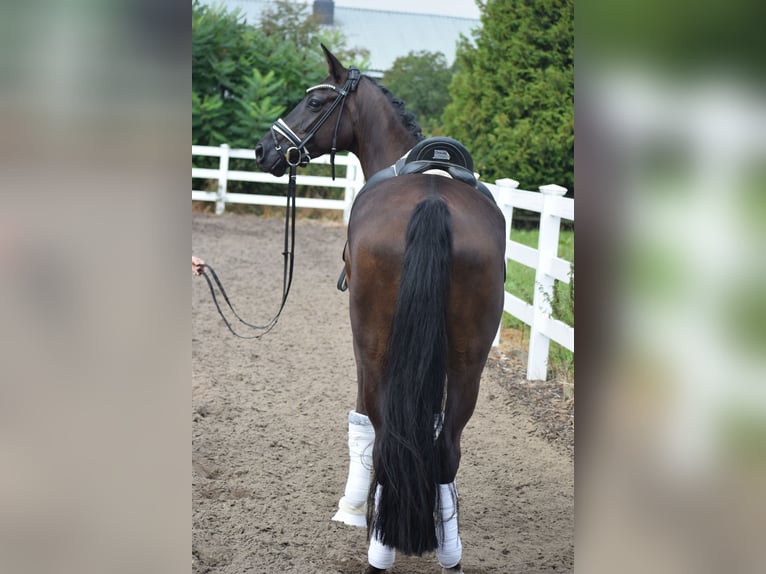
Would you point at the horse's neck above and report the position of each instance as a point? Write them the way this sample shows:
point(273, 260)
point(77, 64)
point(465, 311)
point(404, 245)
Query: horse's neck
point(376, 151)
point(381, 138)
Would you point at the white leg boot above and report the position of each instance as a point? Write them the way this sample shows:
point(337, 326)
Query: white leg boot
point(450, 549)
point(352, 508)
point(378, 554)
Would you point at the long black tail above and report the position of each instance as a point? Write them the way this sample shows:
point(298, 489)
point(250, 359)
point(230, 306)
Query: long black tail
point(405, 456)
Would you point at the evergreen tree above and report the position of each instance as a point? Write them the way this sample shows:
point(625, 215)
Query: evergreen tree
point(422, 80)
point(513, 92)
point(234, 95)
point(244, 76)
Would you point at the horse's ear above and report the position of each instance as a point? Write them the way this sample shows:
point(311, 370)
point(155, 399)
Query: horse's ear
point(336, 69)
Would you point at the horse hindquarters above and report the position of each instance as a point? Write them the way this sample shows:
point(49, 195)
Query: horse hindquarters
point(405, 456)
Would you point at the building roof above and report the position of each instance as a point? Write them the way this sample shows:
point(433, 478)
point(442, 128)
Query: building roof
point(387, 35)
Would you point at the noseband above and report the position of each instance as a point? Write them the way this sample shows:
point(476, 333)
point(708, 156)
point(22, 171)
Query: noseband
point(297, 154)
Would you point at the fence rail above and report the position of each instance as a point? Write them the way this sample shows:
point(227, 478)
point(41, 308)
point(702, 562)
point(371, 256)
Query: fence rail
point(549, 202)
point(351, 183)
point(552, 206)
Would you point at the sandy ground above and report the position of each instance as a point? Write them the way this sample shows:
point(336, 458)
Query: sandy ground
point(269, 454)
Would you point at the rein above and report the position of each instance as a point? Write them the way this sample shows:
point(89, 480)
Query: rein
point(287, 273)
point(296, 155)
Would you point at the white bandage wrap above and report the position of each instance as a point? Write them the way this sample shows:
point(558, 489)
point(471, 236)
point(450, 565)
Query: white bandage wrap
point(450, 547)
point(352, 508)
point(379, 555)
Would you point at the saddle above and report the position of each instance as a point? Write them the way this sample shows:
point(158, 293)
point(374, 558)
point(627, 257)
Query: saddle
point(437, 153)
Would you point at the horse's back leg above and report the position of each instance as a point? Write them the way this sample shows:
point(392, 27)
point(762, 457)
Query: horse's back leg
point(352, 507)
point(462, 393)
point(369, 345)
point(468, 356)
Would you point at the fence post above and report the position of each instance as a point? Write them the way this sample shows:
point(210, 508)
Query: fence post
point(506, 207)
point(223, 176)
point(547, 249)
point(355, 179)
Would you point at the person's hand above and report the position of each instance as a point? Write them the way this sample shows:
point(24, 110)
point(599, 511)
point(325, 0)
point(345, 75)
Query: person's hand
point(197, 265)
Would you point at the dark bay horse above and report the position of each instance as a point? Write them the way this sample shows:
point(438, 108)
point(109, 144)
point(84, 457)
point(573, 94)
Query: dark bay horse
point(424, 265)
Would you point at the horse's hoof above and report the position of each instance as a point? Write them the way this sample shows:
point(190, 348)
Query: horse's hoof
point(372, 570)
point(456, 569)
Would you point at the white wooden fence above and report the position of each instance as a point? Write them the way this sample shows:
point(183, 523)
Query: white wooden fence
point(352, 182)
point(552, 206)
point(549, 202)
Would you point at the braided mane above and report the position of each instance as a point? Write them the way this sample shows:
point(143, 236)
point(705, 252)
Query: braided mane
point(406, 117)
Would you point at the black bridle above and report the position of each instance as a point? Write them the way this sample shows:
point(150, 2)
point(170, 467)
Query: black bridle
point(296, 155)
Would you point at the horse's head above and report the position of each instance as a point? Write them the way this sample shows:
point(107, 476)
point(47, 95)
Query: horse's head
point(314, 127)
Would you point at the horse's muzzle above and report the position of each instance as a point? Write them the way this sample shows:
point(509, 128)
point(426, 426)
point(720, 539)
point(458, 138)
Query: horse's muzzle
point(270, 161)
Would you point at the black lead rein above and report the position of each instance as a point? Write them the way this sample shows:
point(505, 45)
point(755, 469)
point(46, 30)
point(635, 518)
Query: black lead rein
point(287, 274)
point(294, 156)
